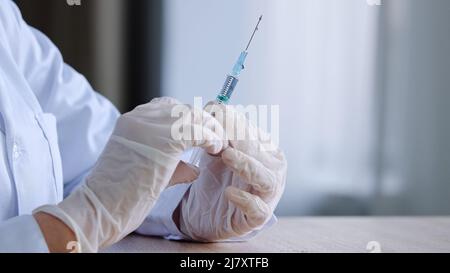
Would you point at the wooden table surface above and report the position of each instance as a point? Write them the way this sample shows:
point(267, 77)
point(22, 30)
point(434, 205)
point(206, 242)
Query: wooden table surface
point(320, 234)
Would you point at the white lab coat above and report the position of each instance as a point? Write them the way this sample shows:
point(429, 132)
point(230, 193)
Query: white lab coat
point(53, 127)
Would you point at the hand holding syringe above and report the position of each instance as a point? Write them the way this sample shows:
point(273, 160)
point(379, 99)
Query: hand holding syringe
point(229, 86)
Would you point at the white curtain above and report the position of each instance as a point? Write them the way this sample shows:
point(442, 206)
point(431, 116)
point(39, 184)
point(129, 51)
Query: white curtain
point(322, 65)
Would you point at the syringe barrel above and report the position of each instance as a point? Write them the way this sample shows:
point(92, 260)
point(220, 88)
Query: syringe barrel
point(227, 90)
point(239, 65)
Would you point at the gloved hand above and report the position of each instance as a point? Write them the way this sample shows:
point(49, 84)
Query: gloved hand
point(238, 191)
point(135, 167)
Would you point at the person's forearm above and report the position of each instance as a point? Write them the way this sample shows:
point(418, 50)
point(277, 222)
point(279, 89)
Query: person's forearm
point(57, 234)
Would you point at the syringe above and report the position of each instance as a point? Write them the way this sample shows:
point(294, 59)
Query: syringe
point(228, 87)
point(233, 78)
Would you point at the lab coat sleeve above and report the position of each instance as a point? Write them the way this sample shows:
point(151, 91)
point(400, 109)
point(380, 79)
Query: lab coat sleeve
point(85, 119)
point(22, 235)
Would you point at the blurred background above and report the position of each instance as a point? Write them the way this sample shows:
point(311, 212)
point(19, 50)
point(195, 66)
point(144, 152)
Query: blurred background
point(363, 90)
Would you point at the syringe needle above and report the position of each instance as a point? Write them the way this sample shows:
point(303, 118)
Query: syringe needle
point(254, 31)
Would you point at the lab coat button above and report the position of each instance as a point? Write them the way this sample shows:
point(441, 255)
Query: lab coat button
point(16, 151)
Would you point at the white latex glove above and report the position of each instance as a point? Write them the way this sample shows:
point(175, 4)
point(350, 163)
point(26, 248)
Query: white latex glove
point(238, 191)
point(135, 167)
